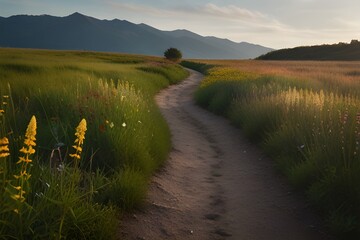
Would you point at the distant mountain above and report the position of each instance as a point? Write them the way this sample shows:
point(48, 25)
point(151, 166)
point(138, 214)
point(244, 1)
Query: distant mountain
point(340, 51)
point(80, 32)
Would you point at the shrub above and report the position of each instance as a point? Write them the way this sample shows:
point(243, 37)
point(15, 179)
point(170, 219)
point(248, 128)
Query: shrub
point(173, 54)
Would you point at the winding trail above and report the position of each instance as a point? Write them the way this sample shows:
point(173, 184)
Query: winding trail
point(216, 185)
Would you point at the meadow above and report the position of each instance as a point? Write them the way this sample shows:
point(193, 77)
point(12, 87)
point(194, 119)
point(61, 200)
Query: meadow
point(306, 116)
point(80, 135)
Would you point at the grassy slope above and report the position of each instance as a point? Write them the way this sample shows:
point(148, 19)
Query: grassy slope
point(306, 116)
point(337, 52)
point(127, 138)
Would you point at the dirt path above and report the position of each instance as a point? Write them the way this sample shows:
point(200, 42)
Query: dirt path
point(215, 184)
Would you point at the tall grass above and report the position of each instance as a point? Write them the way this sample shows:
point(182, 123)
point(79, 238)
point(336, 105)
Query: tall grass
point(77, 188)
point(306, 115)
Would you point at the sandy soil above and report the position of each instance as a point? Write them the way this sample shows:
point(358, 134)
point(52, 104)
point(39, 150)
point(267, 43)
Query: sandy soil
point(216, 185)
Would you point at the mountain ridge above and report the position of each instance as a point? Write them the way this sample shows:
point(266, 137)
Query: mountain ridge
point(80, 32)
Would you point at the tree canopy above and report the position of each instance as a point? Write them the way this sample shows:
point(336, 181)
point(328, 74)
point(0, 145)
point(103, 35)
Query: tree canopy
point(173, 54)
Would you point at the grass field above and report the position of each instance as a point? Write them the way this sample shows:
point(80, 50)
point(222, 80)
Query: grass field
point(54, 184)
point(306, 115)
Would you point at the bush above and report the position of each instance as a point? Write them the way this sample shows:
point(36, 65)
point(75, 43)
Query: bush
point(173, 54)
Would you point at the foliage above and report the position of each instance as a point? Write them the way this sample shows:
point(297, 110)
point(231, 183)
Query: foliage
point(52, 203)
point(200, 67)
point(306, 116)
point(124, 190)
point(77, 185)
point(172, 72)
point(338, 52)
point(173, 54)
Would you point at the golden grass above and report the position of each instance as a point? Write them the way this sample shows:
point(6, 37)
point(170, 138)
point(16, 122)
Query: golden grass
point(306, 114)
point(339, 72)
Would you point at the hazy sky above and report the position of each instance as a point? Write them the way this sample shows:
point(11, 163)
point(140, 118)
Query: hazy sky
point(272, 23)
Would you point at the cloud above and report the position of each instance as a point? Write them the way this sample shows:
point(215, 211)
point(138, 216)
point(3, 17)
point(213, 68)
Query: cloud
point(209, 10)
point(232, 11)
point(140, 9)
point(210, 13)
point(224, 21)
point(236, 23)
point(347, 24)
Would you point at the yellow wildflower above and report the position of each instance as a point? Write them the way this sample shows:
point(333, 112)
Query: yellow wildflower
point(77, 156)
point(2, 155)
point(29, 142)
point(4, 148)
point(30, 135)
point(18, 197)
point(4, 141)
point(25, 160)
point(77, 148)
point(80, 132)
point(79, 141)
point(23, 175)
point(27, 150)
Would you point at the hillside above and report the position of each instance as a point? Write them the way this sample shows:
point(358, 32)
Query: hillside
point(340, 51)
point(80, 32)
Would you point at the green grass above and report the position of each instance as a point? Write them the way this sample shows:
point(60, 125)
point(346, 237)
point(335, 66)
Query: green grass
point(126, 140)
point(308, 122)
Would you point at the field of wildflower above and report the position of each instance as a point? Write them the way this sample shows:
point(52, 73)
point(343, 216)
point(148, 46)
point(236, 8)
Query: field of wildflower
point(306, 116)
point(80, 135)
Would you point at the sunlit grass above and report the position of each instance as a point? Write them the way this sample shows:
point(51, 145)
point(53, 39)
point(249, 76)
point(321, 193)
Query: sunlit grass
point(79, 182)
point(306, 115)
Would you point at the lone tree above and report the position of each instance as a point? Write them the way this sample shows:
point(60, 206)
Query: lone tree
point(173, 54)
